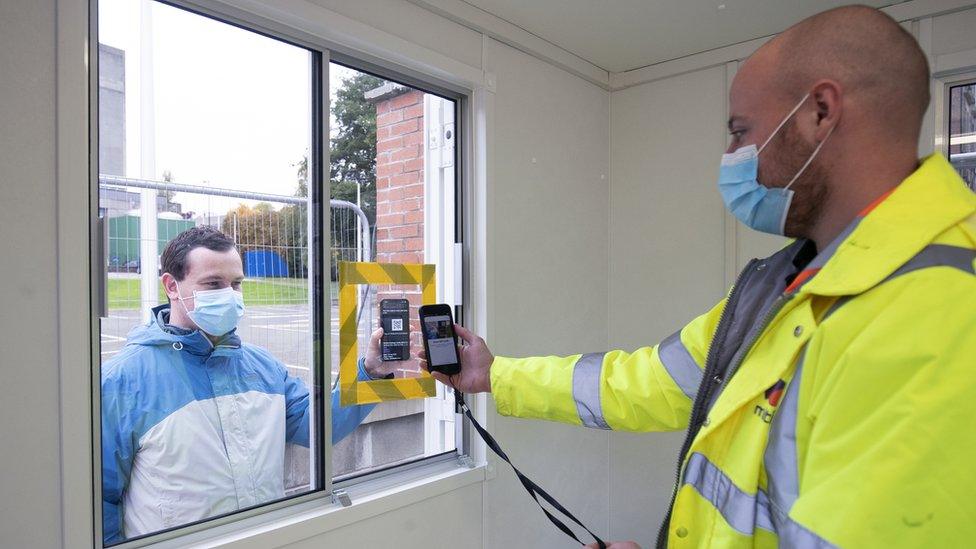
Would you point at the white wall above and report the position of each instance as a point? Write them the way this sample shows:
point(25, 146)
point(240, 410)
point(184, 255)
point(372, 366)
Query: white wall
point(456, 516)
point(667, 253)
point(29, 415)
point(953, 32)
point(548, 224)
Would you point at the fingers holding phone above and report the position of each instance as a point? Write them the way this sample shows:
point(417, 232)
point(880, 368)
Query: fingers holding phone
point(477, 359)
point(374, 364)
point(466, 368)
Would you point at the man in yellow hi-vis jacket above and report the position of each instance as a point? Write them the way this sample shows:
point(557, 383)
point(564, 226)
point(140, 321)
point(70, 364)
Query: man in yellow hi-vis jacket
point(829, 398)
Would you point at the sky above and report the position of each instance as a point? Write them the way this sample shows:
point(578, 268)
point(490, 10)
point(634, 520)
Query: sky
point(232, 108)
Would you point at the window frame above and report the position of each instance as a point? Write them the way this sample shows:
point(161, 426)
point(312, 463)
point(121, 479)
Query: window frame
point(319, 81)
point(943, 102)
point(462, 437)
point(78, 271)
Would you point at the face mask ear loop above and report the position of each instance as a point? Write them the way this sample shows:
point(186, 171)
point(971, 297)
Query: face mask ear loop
point(809, 160)
point(179, 294)
point(783, 123)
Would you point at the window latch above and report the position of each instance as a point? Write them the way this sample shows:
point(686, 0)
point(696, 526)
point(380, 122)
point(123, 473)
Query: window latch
point(340, 497)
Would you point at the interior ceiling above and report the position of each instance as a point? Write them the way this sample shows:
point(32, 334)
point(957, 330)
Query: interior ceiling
point(621, 35)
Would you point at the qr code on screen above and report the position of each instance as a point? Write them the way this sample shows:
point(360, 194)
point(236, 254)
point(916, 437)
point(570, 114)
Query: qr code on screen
point(396, 324)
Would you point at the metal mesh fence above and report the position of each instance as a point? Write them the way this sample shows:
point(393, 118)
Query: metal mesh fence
point(272, 236)
point(272, 239)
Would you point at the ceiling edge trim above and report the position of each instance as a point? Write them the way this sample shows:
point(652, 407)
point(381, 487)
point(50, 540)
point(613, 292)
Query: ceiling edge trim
point(906, 11)
point(512, 35)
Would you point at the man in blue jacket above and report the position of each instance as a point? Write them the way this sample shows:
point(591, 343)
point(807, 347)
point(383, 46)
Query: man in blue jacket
point(194, 422)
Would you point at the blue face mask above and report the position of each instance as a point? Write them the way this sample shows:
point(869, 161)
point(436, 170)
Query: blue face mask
point(216, 312)
point(759, 207)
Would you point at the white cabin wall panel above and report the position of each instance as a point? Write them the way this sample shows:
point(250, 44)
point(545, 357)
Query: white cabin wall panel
point(549, 188)
point(953, 32)
point(448, 520)
point(667, 257)
point(667, 217)
point(30, 424)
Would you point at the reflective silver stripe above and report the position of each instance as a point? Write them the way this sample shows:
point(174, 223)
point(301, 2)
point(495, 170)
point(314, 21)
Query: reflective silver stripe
point(782, 472)
point(680, 365)
point(934, 255)
point(938, 255)
point(745, 512)
point(739, 509)
point(586, 390)
point(764, 517)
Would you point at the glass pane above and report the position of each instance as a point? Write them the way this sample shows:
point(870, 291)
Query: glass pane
point(204, 138)
point(392, 160)
point(962, 131)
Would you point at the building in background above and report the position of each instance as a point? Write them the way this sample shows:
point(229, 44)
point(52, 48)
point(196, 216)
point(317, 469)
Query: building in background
point(111, 110)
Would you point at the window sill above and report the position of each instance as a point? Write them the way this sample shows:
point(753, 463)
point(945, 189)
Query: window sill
point(305, 520)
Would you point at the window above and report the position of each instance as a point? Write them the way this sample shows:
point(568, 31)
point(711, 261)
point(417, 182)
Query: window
point(214, 156)
point(203, 124)
point(393, 158)
point(962, 131)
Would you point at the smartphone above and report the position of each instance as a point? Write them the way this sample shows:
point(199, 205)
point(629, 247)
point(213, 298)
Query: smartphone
point(395, 317)
point(440, 342)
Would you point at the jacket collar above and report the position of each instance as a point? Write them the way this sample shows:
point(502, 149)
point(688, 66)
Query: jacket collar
point(161, 332)
point(927, 203)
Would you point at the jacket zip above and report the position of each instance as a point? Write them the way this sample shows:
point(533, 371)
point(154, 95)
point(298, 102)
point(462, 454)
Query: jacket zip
point(751, 339)
point(754, 336)
point(703, 395)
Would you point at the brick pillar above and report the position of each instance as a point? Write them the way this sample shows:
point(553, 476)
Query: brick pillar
point(400, 195)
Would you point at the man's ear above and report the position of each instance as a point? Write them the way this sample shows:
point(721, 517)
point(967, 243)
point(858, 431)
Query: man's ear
point(169, 286)
point(828, 96)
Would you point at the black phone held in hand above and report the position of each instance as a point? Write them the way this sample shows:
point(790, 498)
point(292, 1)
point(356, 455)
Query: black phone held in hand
point(440, 341)
point(395, 317)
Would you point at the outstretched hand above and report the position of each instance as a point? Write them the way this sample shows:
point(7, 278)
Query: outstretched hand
point(374, 364)
point(476, 362)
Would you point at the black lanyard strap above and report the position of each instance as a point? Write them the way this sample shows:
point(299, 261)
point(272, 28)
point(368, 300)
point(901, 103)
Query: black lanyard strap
point(531, 487)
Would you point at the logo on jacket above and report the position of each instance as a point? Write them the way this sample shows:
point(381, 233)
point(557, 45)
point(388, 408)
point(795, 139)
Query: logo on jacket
point(775, 393)
point(773, 396)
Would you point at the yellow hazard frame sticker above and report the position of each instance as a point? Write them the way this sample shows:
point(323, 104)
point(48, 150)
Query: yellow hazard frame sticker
point(351, 274)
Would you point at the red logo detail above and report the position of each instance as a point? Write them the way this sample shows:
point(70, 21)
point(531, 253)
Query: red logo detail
point(775, 393)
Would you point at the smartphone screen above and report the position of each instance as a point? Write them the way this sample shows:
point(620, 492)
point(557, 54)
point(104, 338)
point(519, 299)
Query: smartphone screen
point(439, 339)
point(395, 317)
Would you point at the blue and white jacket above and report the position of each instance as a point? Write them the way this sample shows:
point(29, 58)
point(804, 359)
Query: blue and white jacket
point(192, 430)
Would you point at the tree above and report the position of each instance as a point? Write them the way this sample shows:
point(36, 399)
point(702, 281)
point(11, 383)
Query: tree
point(302, 166)
point(352, 164)
point(353, 149)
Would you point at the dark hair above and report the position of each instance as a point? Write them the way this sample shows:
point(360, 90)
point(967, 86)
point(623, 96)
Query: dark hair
point(174, 256)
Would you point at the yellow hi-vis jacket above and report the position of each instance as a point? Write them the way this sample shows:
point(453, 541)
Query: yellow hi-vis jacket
point(829, 401)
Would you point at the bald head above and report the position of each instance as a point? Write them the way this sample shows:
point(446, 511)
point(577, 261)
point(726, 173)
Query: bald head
point(851, 76)
point(878, 64)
